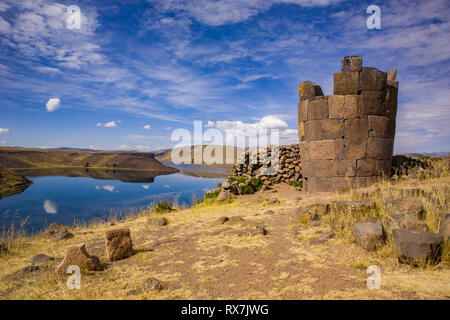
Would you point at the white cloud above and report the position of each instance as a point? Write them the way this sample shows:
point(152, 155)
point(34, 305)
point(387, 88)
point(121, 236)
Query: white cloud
point(147, 127)
point(50, 207)
point(111, 124)
point(4, 130)
point(123, 146)
point(3, 142)
point(168, 128)
point(109, 188)
point(53, 104)
point(146, 186)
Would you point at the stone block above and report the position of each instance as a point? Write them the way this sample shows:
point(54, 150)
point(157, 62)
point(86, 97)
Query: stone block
point(315, 184)
point(346, 83)
point(372, 103)
point(301, 131)
point(304, 151)
point(380, 148)
point(309, 90)
point(417, 247)
point(356, 128)
point(351, 106)
point(331, 129)
point(118, 244)
point(318, 109)
point(351, 63)
point(381, 127)
point(365, 167)
point(372, 79)
point(341, 183)
point(320, 168)
point(347, 149)
point(322, 150)
point(383, 167)
point(391, 100)
point(392, 75)
point(344, 168)
point(369, 235)
point(312, 130)
point(303, 110)
point(78, 256)
point(336, 106)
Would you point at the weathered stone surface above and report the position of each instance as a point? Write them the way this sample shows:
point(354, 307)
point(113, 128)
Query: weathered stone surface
point(351, 106)
point(78, 256)
point(319, 208)
point(347, 149)
point(413, 223)
point(303, 110)
point(356, 128)
point(351, 63)
point(324, 129)
point(416, 247)
point(319, 168)
point(407, 205)
point(336, 106)
point(372, 79)
point(344, 168)
point(381, 127)
point(157, 221)
point(318, 109)
point(118, 244)
point(391, 100)
point(365, 167)
point(346, 83)
point(372, 103)
point(444, 226)
point(322, 149)
point(224, 195)
point(392, 75)
point(40, 259)
point(153, 284)
point(380, 148)
point(301, 131)
point(369, 235)
point(353, 206)
point(309, 90)
point(58, 232)
point(304, 150)
point(383, 167)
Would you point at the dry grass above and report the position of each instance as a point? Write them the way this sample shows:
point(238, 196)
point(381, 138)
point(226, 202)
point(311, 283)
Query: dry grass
point(200, 259)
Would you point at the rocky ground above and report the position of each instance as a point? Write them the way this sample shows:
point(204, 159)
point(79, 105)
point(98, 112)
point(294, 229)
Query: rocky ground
point(277, 244)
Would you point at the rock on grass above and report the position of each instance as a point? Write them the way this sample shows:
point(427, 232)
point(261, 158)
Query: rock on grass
point(77, 255)
point(118, 244)
point(417, 247)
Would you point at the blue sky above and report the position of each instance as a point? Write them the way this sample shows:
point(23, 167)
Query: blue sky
point(165, 63)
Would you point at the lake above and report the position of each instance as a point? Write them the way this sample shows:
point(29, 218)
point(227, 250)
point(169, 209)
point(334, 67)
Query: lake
point(68, 197)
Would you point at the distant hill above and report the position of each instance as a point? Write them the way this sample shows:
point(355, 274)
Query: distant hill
point(416, 155)
point(51, 158)
point(12, 183)
point(227, 151)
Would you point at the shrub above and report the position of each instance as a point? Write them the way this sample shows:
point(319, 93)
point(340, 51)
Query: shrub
point(162, 207)
point(297, 184)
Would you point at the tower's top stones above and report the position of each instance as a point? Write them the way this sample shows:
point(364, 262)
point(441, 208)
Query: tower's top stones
point(351, 64)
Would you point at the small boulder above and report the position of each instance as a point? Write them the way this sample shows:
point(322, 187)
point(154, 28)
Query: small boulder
point(235, 220)
point(413, 223)
point(153, 284)
point(118, 244)
point(222, 220)
point(309, 90)
point(269, 212)
point(224, 195)
point(77, 255)
point(40, 259)
point(444, 227)
point(157, 221)
point(273, 201)
point(417, 247)
point(354, 206)
point(406, 205)
point(58, 232)
point(369, 235)
point(319, 208)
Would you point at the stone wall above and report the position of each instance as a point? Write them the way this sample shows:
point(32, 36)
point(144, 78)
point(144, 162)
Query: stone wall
point(346, 139)
point(252, 164)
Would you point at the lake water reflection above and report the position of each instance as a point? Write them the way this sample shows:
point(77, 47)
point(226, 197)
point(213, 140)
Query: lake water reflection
point(66, 197)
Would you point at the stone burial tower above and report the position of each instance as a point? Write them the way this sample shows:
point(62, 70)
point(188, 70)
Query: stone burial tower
point(347, 139)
